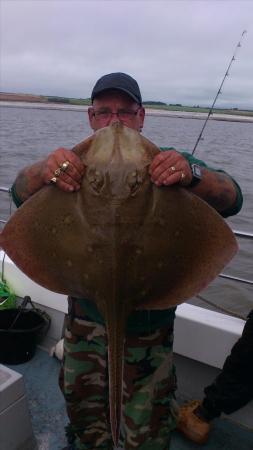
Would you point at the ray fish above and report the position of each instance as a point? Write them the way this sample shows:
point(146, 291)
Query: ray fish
point(120, 241)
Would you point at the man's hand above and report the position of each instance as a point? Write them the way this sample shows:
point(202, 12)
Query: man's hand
point(216, 188)
point(63, 168)
point(170, 167)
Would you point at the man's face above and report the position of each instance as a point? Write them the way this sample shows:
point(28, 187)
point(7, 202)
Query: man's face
point(129, 112)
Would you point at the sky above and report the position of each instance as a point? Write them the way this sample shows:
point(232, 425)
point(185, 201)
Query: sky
point(178, 51)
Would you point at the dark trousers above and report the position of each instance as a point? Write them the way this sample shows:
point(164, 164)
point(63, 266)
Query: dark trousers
point(233, 387)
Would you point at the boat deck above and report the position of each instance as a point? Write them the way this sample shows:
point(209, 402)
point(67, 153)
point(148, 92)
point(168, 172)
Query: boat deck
point(48, 414)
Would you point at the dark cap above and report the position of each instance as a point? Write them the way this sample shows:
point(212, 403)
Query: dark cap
point(119, 81)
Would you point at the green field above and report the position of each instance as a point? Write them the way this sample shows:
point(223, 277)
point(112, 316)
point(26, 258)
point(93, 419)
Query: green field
point(154, 105)
point(234, 111)
point(71, 101)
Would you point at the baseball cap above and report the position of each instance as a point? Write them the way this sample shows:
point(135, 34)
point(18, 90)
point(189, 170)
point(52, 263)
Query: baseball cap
point(119, 81)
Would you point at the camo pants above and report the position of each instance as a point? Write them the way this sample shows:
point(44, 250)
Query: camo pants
point(150, 409)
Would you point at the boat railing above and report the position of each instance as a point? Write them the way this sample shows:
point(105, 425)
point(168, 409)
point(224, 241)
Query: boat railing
point(238, 233)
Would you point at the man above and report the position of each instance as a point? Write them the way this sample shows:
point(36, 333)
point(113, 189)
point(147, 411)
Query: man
point(231, 390)
point(149, 379)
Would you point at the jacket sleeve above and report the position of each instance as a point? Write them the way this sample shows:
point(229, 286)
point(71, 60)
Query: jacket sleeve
point(18, 202)
point(234, 209)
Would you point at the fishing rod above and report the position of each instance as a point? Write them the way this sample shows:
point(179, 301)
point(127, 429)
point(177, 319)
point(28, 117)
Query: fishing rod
point(219, 90)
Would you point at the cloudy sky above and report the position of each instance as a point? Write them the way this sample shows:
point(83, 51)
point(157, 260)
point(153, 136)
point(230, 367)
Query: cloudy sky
point(177, 50)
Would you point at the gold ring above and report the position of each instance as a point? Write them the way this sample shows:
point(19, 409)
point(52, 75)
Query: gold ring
point(57, 172)
point(53, 180)
point(64, 166)
point(173, 169)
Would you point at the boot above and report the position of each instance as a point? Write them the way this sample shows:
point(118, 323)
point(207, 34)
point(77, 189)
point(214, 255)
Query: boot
point(191, 424)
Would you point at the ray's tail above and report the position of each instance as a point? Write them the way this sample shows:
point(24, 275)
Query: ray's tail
point(116, 341)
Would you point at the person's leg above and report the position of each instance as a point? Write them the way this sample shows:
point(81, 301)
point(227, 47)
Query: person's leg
point(150, 411)
point(231, 390)
point(233, 387)
point(84, 383)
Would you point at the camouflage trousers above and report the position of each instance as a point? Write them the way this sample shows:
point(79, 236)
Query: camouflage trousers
point(149, 407)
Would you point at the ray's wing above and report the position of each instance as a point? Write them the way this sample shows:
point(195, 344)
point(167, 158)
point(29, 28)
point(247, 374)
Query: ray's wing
point(39, 235)
point(185, 246)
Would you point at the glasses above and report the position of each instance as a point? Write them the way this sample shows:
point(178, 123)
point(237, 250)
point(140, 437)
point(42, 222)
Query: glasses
point(122, 114)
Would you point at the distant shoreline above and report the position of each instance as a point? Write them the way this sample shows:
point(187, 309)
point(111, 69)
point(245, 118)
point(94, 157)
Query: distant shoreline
point(149, 110)
point(49, 99)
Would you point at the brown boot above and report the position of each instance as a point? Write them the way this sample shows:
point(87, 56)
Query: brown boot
point(191, 425)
